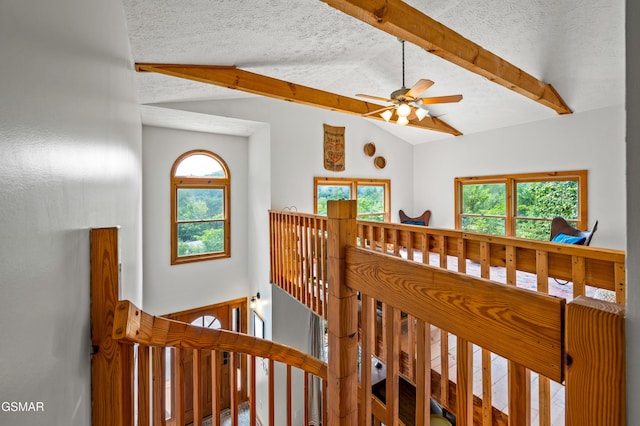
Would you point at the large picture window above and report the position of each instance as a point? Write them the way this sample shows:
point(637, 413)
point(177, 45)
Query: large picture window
point(372, 196)
point(200, 201)
point(521, 205)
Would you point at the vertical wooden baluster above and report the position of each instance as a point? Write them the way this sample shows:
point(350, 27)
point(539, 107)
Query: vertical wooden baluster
point(444, 335)
point(411, 348)
point(464, 385)
point(306, 261)
point(197, 387)
point(487, 375)
point(216, 361)
point(272, 393)
point(544, 387)
point(252, 390)
point(325, 269)
point(325, 408)
point(411, 235)
point(519, 389)
point(306, 398)
point(289, 407)
point(159, 385)
point(423, 372)
point(385, 350)
point(424, 247)
point(462, 255)
point(578, 275)
point(178, 386)
point(392, 392)
point(272, 246)
point(143, 385)
point(372, 241)
point(314, 265)
point(395, 239)
point(233, 377)
point(368, 338)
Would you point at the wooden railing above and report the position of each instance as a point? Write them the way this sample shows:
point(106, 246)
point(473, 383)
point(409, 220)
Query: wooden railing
point(299, 257)
point(128, 365)
point(578, 347)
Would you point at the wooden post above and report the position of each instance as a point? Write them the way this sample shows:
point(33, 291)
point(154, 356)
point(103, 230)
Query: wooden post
point(342, 316)
point(111, 363)
point(595, 378)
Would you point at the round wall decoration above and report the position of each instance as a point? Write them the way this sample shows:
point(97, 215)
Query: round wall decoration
point(370, 149)
point(380, 162)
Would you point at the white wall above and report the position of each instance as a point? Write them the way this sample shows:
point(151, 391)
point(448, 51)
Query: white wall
point(592, 140)
point(70, 146)
point(297, 149)
point(633, 206)
point(171, 288)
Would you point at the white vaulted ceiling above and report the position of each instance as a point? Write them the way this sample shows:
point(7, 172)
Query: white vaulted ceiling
point(575, 45)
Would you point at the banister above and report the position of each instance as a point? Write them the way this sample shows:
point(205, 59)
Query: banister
point(133, 325)
point(486, 313)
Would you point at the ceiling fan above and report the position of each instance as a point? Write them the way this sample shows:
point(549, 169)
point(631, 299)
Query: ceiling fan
point(407, 103)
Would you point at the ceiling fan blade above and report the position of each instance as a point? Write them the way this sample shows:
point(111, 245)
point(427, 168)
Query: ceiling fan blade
point(440, 99)
point(419, 88)
point(378, 111)
point(377, 98)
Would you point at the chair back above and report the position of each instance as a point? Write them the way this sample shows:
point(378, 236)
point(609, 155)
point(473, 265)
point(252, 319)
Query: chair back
point(560, 226)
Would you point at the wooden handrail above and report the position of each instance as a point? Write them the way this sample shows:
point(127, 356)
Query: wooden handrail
point(133, 325)
point(483, 312)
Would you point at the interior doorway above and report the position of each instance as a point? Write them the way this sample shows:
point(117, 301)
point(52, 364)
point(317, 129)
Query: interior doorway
point(230, 315)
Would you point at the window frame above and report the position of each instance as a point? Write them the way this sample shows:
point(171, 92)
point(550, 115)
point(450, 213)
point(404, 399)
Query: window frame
point(511, 181)
point(354, 183)
point(212, 182)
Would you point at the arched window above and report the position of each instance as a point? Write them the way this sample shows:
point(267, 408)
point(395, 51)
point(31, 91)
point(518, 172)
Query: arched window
point(200, 201)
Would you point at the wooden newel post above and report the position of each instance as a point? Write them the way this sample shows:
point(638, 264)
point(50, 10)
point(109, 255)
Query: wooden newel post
point(595, 377)
point(342, 317)
point(111, 362)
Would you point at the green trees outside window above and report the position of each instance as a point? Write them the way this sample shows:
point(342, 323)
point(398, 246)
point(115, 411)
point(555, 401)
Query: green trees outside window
point(200, 200)
point(521, 205)
point(372, 196)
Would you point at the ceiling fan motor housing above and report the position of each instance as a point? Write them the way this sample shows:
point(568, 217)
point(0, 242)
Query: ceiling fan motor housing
point(399, 95)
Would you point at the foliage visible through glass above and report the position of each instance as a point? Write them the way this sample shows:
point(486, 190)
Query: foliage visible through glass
point(331, 192)
point(371, 202)
point(200, 216)
point(544, 200)
point(484, 225)
point(486, 198)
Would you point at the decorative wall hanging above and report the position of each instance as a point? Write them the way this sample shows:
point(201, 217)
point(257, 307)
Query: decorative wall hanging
point(380, 162)
point(333, 148)
point(370, 149)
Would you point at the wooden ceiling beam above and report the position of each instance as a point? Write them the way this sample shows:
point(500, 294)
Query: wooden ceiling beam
point(407, 23)
point(238, 79)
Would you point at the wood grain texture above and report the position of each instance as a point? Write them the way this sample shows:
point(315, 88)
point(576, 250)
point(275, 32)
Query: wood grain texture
point(238, 79)
point(488, 314)
point(136, 326)
point(112, 365)
point(407, 23)
point(595, 384)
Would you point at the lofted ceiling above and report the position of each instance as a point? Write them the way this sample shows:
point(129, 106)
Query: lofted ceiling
point(577, 46)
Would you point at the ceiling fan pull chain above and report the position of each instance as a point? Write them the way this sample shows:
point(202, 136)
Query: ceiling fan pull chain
point(403, 85)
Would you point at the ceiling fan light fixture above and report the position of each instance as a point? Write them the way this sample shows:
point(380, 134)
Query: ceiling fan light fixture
point(387, 115)
point(421, 113)
point(404, 110)
point(403, 121)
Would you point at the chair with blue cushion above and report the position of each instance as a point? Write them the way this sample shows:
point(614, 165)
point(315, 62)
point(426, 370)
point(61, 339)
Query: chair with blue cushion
point(422, 220)
point(563, 232)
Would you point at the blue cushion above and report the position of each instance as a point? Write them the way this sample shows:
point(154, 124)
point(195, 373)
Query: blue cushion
point(414, 222)
point(568, 239)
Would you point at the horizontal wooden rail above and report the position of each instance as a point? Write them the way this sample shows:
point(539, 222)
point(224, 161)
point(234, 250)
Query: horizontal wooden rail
point(488, 314)
point(136, 326)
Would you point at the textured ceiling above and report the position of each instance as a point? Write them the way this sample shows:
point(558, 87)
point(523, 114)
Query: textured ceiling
point(576, 45)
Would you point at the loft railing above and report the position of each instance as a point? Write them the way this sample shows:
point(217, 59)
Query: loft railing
point(579, 345)
point(403, 301)
point(299, 262)
point(128, 368)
